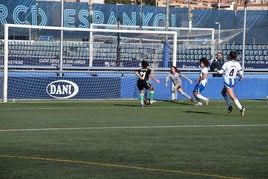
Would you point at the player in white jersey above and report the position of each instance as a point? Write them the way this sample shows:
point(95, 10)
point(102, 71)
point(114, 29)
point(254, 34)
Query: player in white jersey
point(175, 75)
point(201, 82)
point(230, 71)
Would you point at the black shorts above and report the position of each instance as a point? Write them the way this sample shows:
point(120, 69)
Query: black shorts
point(143, 84)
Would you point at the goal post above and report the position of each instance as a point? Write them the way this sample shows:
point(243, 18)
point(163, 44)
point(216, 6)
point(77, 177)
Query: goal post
point(85, 52)
point(5, 75)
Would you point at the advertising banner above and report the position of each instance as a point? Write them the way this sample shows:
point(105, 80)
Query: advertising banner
point(64, 87)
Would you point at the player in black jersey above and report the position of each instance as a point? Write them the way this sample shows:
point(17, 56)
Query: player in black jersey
point(143, 74)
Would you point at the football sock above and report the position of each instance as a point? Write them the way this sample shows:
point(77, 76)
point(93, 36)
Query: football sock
point(237, 103)
point(174, 93)
point(201, 97)
point(197, 99)
point(186, 95)
point(142, 98)
point(227, 100)
point(151, 95)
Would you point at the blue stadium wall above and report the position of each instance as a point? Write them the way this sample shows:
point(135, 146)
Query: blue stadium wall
point(103, 86)
point(77, 14)
point(251, 87)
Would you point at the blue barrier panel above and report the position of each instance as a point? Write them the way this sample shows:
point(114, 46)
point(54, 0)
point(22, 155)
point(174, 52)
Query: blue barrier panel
point(128, 86)
point(120, 86)
point(63, 87)
point(251, 87)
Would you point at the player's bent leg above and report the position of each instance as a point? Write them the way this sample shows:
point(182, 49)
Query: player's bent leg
point(198, 88)
point(151, 88)
point(230, 109)
point(142, 97)
point(151, 96)
point(206, 101)
point(242, 111)
point(184, 94)
point(195, 93)
point(227, 100)
point(174, 94)
point(151, 93)
point(236, 101)
point(230, 92)
point(223, 92)
point(203, 98)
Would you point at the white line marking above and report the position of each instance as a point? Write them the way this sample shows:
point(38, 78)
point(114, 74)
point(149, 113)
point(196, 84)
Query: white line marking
point(133, 127)
point(118, 107)
point(104, 107)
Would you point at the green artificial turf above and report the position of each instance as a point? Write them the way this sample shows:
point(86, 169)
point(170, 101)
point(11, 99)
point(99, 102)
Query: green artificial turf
point(119, 139)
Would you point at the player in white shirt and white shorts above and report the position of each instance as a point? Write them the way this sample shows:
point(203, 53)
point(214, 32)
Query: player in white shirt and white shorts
point(230, 70)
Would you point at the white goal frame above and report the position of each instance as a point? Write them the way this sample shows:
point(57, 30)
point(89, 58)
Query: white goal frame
point(6, 40)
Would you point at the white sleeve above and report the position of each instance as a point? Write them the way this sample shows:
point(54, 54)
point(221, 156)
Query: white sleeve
point(222, 69)
point(167, 78)
point(204, 70)
point(240, 71)
point(240, 74)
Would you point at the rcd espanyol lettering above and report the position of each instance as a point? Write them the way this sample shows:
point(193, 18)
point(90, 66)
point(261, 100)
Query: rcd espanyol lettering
point(62, 89)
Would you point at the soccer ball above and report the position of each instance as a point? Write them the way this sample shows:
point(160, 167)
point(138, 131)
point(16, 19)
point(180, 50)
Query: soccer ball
point(146, 101)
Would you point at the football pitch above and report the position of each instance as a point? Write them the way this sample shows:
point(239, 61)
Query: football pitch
point(118, 139)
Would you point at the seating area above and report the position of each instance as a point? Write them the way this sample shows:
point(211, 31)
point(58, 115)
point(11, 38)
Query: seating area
point(102, 52)
point(254, 53)
point(47, 49)
point(193, 53)
point(129, 52)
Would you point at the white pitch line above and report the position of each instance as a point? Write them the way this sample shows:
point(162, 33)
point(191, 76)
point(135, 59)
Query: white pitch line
point(133, 127)
point(114, 107)
point(104, 107)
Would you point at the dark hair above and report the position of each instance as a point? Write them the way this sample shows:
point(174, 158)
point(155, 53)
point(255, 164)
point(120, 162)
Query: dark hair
point(219, 53)
point(176, 69)
point(232, 55)
point(144, 64)
point(205, 61)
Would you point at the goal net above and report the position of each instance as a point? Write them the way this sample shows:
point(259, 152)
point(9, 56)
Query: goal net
point(71, 63)
point(192, 43)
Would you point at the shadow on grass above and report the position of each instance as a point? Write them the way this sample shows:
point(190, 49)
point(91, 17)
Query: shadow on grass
point(198, 112)
point(178, 102)
point(127, 105)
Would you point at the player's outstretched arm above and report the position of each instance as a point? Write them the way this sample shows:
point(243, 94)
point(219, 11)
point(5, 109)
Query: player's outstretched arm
point(223, 68)
point(167, 79)
point(154, 78)
point(185, 77)
point(240, 74)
